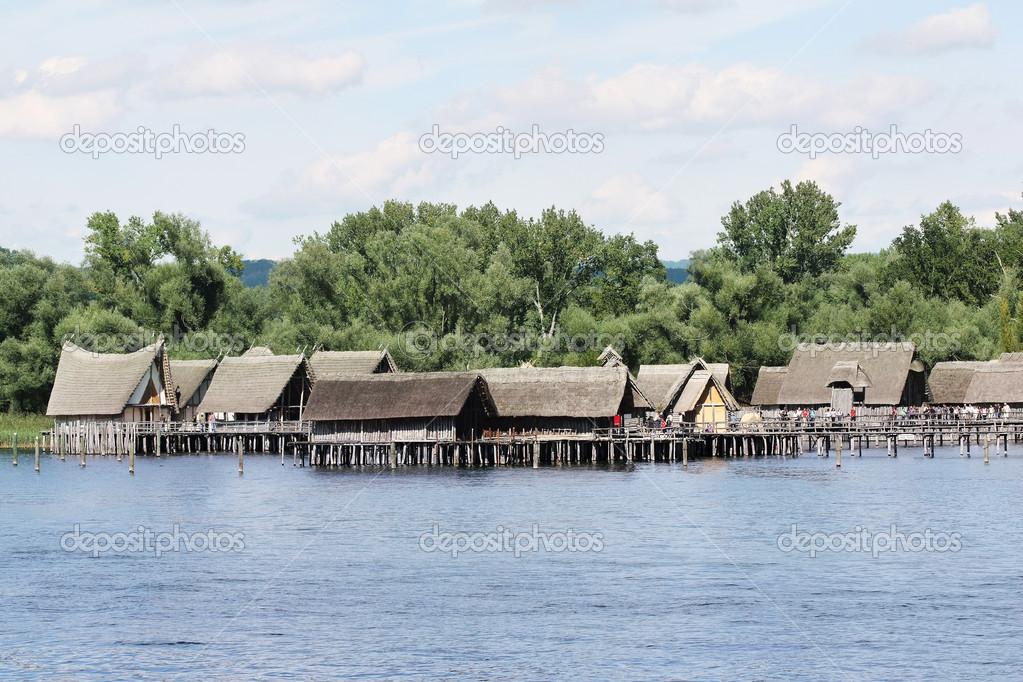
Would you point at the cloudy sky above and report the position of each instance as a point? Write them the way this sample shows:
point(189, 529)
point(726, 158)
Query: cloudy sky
point(322, 108)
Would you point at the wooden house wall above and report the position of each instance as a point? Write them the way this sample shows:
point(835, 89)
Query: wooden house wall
point(420, 430)
point(710, 408)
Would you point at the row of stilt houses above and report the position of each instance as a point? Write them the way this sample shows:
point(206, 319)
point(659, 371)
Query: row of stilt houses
point(351, 407)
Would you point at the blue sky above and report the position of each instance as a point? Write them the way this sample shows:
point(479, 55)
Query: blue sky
point(688, 96)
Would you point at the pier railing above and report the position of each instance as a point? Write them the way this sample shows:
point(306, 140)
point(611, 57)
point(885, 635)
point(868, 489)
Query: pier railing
point(885, 424)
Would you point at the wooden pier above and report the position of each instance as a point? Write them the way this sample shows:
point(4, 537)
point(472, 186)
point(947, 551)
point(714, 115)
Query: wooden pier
point(158, 438)
point(637, 443)
point(632, 442)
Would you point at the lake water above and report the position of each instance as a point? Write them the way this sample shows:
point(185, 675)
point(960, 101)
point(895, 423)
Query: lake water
point(323, 573)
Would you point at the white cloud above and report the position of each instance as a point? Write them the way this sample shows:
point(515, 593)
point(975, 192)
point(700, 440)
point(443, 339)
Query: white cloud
point(273, 69)
point(34, 115)
point(695, 6)
point(656, 97)
point(960, 27)
point(395, 168)
point(836, 175)
point(628, 198)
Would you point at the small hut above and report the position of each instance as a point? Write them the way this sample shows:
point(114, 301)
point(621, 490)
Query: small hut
point(350, 362)
point(563, 399)
point(112, 386)
point(769, 383)
point(996, 383)
point(399, 407)
point(842, 375)
point(950, 381)
point(192, 379)
point(697, 391)
point(259, 387)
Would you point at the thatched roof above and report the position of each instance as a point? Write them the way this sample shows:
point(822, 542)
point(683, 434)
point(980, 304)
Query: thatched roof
point(1011, 357)
point(102, 383)
point(698, 382)
point(258, 352)
point(396, 396)
point(188, 375)
point(351, 362)
point(587, 392)
point(663, 384)
point(251, 384)
point(848, 372)
point(949, 381)
point(996, 382)
point(769, 383)
point(886, 364)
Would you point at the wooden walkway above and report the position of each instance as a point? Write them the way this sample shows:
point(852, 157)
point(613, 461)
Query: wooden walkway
point(633, 442)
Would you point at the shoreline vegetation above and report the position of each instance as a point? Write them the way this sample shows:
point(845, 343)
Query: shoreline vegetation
point(444, 288)
point(27, 426)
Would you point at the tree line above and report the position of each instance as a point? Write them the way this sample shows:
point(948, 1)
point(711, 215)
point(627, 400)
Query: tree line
point(444, 288)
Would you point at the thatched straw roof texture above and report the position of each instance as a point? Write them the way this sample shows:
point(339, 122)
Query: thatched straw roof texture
point(696, 385)
point(188, 375)
point(351, 362)
point(101, 383)
point(587, 392)
point(769, 383)
point(664, 384)
point(886, 364)
point(251, 384)
point(395, 396)
point(996, 382)
point(949, 381)
point(848, 372)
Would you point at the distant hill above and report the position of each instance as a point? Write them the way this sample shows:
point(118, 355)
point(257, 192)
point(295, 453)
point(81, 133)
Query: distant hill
point(677, 271)
point(257, 272)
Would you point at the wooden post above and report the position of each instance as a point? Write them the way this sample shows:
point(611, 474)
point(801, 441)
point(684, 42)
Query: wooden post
point(241, 450)
point(838, 453)
point(394, 456)
point(37, 453)
point(685, 454)
point(14, 446)
point(536, 455)
point(131, 458)
point(987, 440)
point(158, 440)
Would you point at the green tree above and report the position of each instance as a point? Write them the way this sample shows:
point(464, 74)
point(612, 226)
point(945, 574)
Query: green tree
point(947, 256)
point(796, 232)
